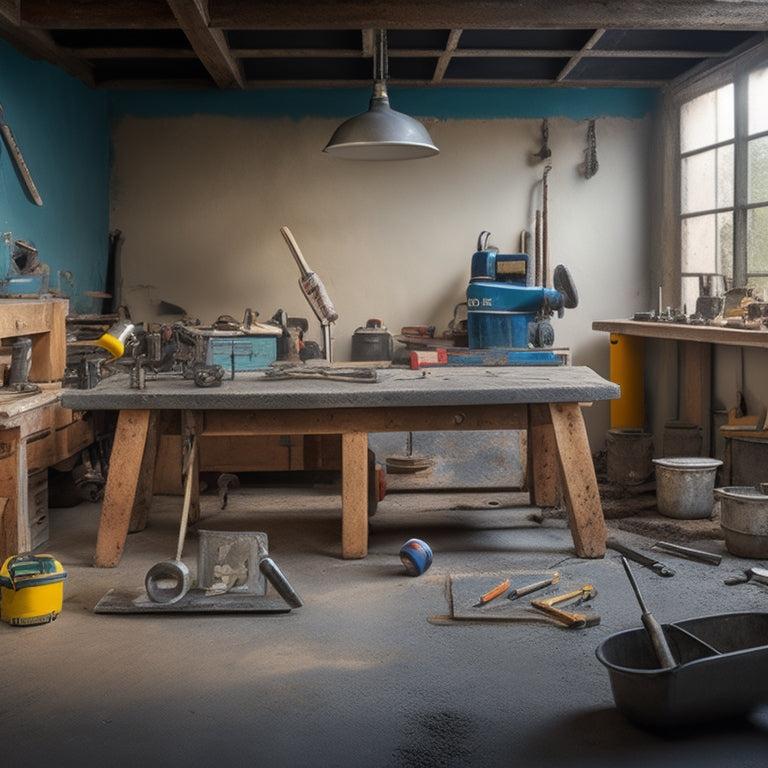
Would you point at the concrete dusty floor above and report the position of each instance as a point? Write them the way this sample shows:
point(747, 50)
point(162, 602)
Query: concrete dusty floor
point(359, 675)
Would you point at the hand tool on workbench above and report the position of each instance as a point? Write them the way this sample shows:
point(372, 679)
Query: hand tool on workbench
point(571, 619)
point(18, 159)
point(688, 552)
point(756, 575)
point(652, 627)
point(313, 289)
point(638, 557)
point(535, 587)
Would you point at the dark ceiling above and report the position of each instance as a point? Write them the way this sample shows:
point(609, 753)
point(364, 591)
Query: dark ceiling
point(241, 44)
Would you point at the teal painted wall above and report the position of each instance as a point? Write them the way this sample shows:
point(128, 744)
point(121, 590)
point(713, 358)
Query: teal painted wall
point(62, 129)
point(440, 103)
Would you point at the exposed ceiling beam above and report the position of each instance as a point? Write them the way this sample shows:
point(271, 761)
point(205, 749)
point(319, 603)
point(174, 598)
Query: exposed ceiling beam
point(209, 44)
point(490, 14)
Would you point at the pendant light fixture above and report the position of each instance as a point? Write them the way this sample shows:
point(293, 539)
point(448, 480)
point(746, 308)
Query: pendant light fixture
point(381, 133)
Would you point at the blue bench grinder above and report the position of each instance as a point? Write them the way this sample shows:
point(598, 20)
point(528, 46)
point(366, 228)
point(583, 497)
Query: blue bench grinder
point(504, 310)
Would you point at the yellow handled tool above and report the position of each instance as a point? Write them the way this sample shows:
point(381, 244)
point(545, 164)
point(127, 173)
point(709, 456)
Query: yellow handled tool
point(571, 619)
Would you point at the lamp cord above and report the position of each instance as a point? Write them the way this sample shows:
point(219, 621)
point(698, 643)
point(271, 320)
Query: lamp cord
point(380, 64)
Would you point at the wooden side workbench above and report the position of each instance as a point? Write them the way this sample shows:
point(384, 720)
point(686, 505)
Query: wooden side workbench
point(545, 401)
point(695, 364)
point(35, 431)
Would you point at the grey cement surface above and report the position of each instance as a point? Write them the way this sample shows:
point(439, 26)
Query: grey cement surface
point(359, 675)
point(394, 387)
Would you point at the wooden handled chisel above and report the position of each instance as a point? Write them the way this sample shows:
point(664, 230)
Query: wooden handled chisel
point(18, 159)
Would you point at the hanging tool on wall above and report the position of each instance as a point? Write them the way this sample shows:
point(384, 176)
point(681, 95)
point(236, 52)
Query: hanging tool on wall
point(313, 289)
point(545, 152)
point(591, 165)
point(18, 160)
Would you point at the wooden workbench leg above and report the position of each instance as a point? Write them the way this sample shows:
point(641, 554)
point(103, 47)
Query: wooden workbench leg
point(122, 484)
point(582, 496)
point(543, 471)
point(354, 494)
point(144, 489)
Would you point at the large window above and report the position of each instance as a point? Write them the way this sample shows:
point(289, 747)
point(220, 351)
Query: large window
point(724, 188)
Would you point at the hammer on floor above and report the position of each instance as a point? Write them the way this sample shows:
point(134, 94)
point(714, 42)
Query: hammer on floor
point(571, 619)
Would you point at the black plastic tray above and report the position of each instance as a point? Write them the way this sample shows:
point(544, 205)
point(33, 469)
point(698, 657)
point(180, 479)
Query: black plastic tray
point(722, 671)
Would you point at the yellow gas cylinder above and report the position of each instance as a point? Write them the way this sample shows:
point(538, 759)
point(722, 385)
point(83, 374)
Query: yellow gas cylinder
point(626, 370)
point(31, 589)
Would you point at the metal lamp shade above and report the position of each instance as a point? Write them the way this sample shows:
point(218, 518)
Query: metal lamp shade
point(381, 133)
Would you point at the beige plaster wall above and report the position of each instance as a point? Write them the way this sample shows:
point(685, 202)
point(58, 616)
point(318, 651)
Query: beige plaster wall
point(200, 201)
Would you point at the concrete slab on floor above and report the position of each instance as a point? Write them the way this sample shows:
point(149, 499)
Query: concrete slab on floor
point(358, 676)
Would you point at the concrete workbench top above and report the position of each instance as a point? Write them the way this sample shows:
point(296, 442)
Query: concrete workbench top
point(393, 387)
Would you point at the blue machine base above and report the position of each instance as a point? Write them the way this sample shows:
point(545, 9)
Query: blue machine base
point(490, 357)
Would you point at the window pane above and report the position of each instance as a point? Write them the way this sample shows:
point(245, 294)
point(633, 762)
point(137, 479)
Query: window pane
point(757, 240)
point(707, 119)
point(706, 180)
point(707, 244)
point(760, 285)
point(758, 101)
point(758, 170)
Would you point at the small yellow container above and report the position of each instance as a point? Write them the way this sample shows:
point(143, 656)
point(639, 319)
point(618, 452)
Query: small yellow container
point(31, 589)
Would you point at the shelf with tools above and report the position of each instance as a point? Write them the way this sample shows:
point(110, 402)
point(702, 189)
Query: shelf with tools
point(36, 432)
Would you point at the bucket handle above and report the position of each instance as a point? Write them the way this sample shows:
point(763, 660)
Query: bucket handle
point(17, 562)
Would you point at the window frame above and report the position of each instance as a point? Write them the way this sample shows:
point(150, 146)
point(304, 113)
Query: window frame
point(734, 71)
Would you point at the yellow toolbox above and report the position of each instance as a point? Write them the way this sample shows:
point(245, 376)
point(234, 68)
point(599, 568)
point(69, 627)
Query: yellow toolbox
point(31, 589)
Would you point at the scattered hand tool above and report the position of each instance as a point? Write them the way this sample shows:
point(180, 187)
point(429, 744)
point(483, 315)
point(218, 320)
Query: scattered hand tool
point(638, 557)
point(495, 592)
point(336, 373)
point(169, 581)
point(688, 552)
point(652, 627)
point(277, 579)
point(535, 587)
point(571, 619)
point(756, 575)
point(18, 159)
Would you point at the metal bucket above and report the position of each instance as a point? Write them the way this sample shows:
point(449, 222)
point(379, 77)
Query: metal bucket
point(744, 520)
point(229, 560)
point(629, 454)
point(685, 487)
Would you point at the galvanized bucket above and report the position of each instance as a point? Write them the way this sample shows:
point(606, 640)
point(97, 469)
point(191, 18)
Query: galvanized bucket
point(685, 486)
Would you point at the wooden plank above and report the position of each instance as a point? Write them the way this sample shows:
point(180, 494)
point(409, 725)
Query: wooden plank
point(9, 478)
point(582, 497)
point(250, 453)
point(122, 483)
point(49, 349)
point(543, 465)
point(681, 332)
point(354, 495)
point(695, 392)
point(313, 421)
